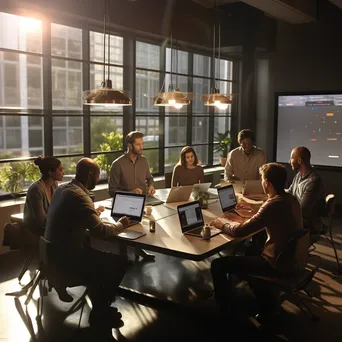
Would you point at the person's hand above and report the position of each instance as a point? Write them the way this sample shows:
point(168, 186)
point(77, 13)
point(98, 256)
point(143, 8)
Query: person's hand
point(137, 191)
point(244, 205)
point(124, 220)
point(219, 223)
point(151, 191)
point(100, 209)
point(234, 217)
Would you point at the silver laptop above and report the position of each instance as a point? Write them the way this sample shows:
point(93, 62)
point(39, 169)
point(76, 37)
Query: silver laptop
point(191, 219)
point(128, 204)
point(201, 187)
point(253, 189)
point(179, 194)
point(228, 200)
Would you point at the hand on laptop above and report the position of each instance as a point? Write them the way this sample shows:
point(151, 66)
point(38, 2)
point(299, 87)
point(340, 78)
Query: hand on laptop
point(219, 223)
point(137, 191)
point(100, 209)
point(151, 191)
point(234, 217)
point(124, 220)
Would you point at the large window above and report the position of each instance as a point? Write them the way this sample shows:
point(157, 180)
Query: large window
point(41, 109)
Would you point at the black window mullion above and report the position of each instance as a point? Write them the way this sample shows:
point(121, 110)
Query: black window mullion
point(162, 76)
point(211, 115)
point(129, 82)
point(190, 90)
point(86, 86)
point(47, 89)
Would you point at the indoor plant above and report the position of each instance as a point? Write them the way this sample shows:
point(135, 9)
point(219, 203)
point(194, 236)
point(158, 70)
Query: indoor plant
point(202, 197)
point(223, 140)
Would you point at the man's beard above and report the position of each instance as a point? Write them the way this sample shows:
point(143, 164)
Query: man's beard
point(135, 152)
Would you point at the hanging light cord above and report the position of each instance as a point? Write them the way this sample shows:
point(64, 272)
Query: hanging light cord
point(219, 50)
point(171, 61)
point(104, 42)
point(108, 41)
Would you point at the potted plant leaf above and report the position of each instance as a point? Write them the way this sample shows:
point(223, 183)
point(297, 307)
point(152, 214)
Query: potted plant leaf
point(224, 141)
point(202, 197)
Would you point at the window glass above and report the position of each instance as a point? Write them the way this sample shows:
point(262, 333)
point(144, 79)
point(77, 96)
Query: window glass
point(105, 160)
point(20, 33)
point(149, 126)
point(201, 88)
point(66, 41)
point(106, 133)
point(200, 130)
point(202, 65)
point(67, 136)
point(66, 85)
point(21, 80)
point(179, 61)
point(147, 56)
point(147, 86)
point(224, 69)
point(153, 159)
point(175, 130)
point(171, 158)
point(96, 48)
point(202, 154)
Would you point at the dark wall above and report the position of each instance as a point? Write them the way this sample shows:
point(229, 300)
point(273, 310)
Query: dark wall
point(308, 57)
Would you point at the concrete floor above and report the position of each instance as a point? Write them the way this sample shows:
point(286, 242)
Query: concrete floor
point(194, 318)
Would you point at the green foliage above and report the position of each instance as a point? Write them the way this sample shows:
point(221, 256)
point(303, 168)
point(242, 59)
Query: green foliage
point(224, 142)
point(100, 126)
point(112, 142)
point(14, 175)
point(202, 197)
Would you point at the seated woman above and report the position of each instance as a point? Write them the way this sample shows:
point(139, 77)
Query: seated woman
point(39, 193)
point(187, 171)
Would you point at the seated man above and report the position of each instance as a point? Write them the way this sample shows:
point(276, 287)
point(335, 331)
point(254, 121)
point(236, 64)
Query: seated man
point(243, 162)
point(131, 171)
point(280, 215)
point(70, 214)
point(308, 187)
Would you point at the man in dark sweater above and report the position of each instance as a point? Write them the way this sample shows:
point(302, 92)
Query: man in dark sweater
point(280, 215)
point(70, 214)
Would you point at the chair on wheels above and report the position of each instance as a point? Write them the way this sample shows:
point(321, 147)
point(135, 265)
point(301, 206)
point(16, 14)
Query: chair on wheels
point(292, 283)
point(329, 210)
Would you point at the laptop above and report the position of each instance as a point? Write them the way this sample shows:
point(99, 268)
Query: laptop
point(204, 187)
point(151, 200)
point(191, 219)
point(179, 194)
point(253, 189)
point(228, 200)
point(128, 204)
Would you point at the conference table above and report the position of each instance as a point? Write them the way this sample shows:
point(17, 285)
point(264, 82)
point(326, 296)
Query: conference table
point(168, 238)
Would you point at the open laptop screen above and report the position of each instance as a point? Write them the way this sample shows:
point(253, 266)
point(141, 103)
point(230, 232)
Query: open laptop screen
point(128, 204)
point(190, 216)
point(227, 197)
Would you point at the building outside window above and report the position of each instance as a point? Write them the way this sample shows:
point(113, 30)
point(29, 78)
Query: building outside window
point(76, 130)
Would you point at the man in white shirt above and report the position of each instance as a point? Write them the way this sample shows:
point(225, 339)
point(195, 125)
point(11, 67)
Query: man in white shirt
point(243, 162)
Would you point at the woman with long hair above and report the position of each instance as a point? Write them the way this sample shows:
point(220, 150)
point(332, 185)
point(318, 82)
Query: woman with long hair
point(187, 171)
point(39, 193)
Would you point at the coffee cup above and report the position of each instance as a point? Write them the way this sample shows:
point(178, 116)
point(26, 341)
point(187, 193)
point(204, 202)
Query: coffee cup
point(148, 209)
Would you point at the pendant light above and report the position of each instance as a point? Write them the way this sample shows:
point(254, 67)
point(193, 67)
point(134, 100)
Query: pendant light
point(106, 95)
point(173, 97)
point(215, 98)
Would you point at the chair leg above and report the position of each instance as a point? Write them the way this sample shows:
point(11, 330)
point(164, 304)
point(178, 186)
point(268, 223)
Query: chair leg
point(25, 268)
point(37, 278)
point(305, 308)
point(332, 242)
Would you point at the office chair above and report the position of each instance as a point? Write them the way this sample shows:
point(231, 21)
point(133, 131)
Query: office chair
point(292, 283)
point(168, 179)
point(329, 210)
